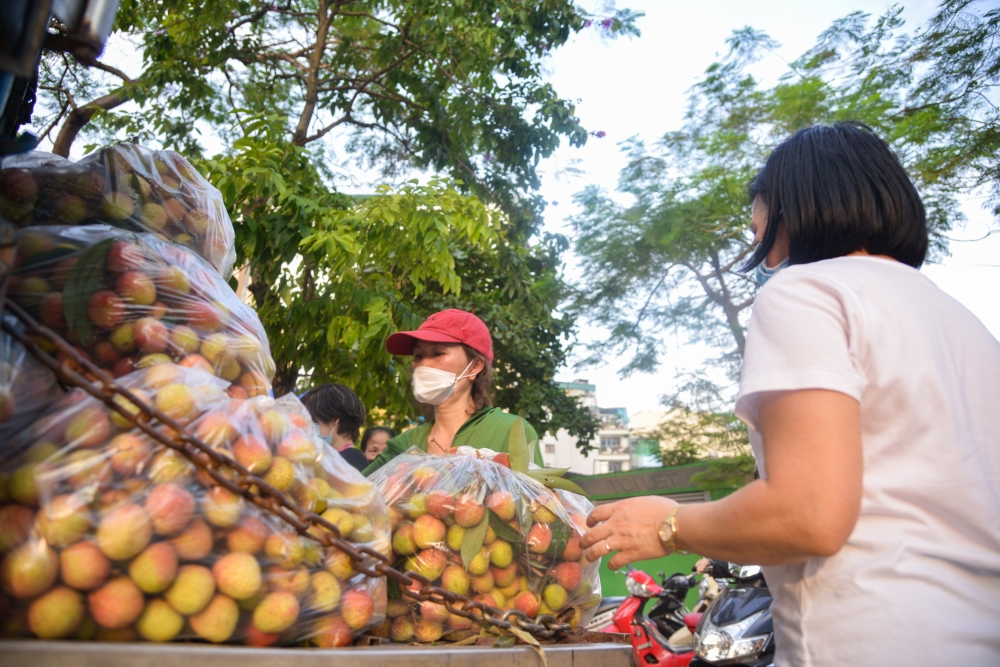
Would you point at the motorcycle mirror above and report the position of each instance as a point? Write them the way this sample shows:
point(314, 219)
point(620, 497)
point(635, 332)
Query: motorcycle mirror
point(743, 571)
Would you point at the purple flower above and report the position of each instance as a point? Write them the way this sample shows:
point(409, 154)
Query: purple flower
point(600, 134)
point(588, 23)
point(488, 157)
point(607, 23)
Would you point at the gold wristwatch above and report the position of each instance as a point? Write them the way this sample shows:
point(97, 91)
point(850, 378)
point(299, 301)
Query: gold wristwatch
point(668, 531)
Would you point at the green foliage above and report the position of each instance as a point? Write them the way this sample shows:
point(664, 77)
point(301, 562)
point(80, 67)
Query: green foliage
point(451, 88)
point(725, 474)
point(669, 262)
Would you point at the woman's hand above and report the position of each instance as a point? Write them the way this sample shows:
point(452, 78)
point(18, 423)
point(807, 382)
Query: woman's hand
point(630, 527)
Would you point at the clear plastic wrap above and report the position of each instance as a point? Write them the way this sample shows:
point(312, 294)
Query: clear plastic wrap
point(106, 534)
point(476, 527)
point(126, 186)
point(26, 386)
point(128, 300)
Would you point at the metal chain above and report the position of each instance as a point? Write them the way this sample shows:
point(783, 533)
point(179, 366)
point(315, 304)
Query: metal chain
point(76, 371)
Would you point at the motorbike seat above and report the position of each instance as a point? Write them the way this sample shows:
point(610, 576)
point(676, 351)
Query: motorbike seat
point(692, 620)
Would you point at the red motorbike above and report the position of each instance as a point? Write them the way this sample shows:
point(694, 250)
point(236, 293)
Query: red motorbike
point(665, 636)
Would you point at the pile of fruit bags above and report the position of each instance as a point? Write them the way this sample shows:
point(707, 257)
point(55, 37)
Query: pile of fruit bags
point(127, 186)
point(106, 534)
point(475, 527)
point(128, 300)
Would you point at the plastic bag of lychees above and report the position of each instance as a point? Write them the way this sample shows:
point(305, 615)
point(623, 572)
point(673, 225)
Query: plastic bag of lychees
point(127, 186)
point(26, 386)
point(475, 527)
point(128, 300)
point(107, 534)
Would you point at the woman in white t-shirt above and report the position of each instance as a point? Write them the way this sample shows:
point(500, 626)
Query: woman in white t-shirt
point(872, 401)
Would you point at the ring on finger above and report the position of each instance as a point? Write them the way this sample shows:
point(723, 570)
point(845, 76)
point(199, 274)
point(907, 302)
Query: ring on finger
point(607, 546)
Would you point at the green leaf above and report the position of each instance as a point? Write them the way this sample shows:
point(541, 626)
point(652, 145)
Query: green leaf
point(504, 530)
point(560, 538)
point(517, 447)
point(472, 541)
point(84, 281)
point(524, 515)
point(553, 482)
point(553, 472)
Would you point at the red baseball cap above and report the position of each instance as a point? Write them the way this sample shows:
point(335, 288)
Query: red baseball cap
point(448, 326)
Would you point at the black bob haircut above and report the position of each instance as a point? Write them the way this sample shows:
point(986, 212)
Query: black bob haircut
point(839, 189)
point(372, 430)
point(332, 402)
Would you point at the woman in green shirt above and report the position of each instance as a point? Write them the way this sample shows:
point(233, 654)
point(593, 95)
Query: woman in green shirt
point(452, 373)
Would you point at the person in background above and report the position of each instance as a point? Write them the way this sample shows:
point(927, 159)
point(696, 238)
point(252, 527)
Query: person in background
point(452, 378)
point(373, 441)
point(339, 415)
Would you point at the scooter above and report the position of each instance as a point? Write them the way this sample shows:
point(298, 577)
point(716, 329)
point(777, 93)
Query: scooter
point(737, 629)
point(664, 637)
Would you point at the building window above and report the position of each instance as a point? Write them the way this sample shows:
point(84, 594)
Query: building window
point(550, 448)
point(611, 445)
point(614, 466)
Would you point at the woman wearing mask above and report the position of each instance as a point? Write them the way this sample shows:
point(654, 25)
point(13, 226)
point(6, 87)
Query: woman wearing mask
point(339, 415)
point(452, 374)
point(870, 397)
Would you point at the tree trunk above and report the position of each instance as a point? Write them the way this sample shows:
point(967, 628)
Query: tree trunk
point(312, 78)
point(79, 117)
point(287, 374)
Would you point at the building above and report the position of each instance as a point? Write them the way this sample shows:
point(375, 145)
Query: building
point(612, 449)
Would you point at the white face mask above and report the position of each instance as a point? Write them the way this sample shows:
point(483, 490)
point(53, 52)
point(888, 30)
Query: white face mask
point(433, 386)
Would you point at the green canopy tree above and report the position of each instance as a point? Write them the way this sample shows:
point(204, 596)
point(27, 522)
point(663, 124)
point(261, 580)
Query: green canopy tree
point(671, 259)
point(449, 88)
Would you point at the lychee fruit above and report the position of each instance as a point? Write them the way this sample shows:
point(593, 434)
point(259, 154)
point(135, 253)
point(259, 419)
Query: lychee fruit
point(295, 581)
point(252, 453)
point(116, 604)
point(29, 570)
point(325, 592)
point(64, 520)
point(426, 632)
point(297, 447)
point(178, 402)
point(281, 474)
point(394, 608)
point(195, 542)
point(154, 569)
point(539, 538)
point(402, 629)
point(170, 508)
point(237, 575)
point(434, 612)
point(136, 288)
point(124, 531)
point(568, 575)
point(455, 580)
point(285, 549)
point(554, 597)
point(248, 537)
point(83, 567)
point(454, 537)
point(428, 531)
point(425, 478)
point(526, 602)
point(15, 524)
point(572, 552)
point(217, 621)
point(56, 614)
point(357, 608)
point(468, 511)
point(502, 504)
point(276, 612)
point(222, 507)
point(331, 632)
point(501, 553)
point(480, 562)
point(106, 309)
point(505, 576)
point(159, 622)
point(403, 542)
point(483, 583)
point(439, 504)
point(339, 565)
point(192, 589)
point(431, 563)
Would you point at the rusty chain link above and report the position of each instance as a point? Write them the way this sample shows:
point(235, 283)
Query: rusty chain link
point(76, 371)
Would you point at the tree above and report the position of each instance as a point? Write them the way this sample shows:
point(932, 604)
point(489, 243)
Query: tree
point(671, 260)
point(453, 88)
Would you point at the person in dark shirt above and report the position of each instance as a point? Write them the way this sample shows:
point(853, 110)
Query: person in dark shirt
point(339, 415)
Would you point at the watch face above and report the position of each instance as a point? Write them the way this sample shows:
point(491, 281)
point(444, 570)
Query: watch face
point(666, 531)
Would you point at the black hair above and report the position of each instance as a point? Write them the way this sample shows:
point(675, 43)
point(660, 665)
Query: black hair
point(372, 430)
point(839, 189)
point(330, 402)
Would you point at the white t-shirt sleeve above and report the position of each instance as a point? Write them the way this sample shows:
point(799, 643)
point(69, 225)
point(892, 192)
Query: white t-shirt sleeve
point(806, 332)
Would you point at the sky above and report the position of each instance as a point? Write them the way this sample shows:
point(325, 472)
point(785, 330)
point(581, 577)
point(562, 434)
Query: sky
point(637, 87)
